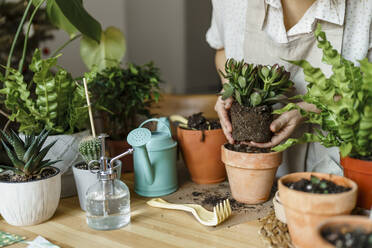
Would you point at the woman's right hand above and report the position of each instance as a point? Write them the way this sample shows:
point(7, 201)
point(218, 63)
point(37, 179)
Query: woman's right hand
point(222, 107)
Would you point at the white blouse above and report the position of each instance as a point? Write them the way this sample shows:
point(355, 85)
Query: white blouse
point(228, 25)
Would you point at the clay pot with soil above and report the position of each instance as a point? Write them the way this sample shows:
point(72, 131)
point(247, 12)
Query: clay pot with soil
point(200, 142)
point(344, 231)
point(254, 89)
point(309, 198)
point(251, 175)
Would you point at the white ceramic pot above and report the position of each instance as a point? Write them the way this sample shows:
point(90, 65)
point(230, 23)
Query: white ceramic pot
point(84, 179)
point(279, 208)
point(30, 203)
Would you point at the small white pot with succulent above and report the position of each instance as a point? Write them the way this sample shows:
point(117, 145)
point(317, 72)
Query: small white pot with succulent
point(30, 187)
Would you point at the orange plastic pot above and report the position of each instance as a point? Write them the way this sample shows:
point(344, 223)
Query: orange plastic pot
point(117, 147)
point(339, 221)
point(251, 175)
point(360, 171)
point(305, 211)
point(203, 157)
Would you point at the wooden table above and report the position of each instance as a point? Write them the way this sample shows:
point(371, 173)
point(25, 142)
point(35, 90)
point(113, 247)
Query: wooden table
point(150, 227)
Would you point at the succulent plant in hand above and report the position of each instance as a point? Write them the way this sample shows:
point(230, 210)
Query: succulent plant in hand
point(256, 85)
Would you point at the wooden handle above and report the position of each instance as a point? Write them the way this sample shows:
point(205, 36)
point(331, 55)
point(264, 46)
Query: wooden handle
point(160, 203)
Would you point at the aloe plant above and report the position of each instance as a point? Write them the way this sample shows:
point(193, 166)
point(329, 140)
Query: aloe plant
point(344, 99)
point(255, 85)
point(27, 156)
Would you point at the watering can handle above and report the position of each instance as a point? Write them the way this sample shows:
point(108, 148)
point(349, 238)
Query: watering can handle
point(162, 122)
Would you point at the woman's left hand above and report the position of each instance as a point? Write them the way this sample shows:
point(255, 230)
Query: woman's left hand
point(282, 127)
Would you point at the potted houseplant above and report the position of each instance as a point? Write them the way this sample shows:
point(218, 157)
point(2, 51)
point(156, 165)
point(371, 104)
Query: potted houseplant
point(251, 171)
point(344, 231)
point(30, 187)
point(124, 94)
point(345, 121)
point(89, 149)
point(309, 198)
point(51, 98)
point(200, 141)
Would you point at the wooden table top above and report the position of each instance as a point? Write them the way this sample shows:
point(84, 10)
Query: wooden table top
point(150, 227)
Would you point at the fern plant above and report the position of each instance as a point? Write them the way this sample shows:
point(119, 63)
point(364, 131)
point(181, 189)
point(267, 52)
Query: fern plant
point(255, 85)
point(27, 156)
point(345, 101)
point(52, 99)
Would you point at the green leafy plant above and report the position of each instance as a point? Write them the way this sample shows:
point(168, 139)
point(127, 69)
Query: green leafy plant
point(252, 85)
point(27, 156)
point(90, 149)
point(124, 93)
point(51, 99)
point(344, 99)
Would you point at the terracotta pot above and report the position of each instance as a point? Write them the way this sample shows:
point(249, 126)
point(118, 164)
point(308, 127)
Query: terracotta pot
point(304, 211)
point(251, 175)
point(117, 147)
point(203, 158)
point(360, 171)
point(352, 221)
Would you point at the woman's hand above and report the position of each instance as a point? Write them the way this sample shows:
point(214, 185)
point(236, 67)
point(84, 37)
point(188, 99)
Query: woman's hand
point(285, 124)
point(222, 107)
point(282, 127)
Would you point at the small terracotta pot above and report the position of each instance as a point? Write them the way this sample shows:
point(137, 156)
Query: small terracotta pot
point(352, 221)
point(360, 171)
point(117, 147)
point(304, 211)
point(251, 175)
point(203, 158)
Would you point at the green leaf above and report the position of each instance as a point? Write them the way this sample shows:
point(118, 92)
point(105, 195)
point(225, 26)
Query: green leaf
point(345, 149)
point(108, 53)
point(74, 11)
point(228, 91)
point(242, 81)
point(58, 19)
point(255, 99)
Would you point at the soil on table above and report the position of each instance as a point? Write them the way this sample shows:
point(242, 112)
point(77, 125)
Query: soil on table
point(14, 178)
point(199, 122)
point(345, 236)
point(317, 185)
point(251, 123)
point(246, 148)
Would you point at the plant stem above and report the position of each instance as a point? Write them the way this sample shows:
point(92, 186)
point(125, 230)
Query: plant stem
point(21, 62)
point(16, 38)
point(65, 44)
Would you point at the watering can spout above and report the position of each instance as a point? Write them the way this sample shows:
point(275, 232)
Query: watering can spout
point(138, 138)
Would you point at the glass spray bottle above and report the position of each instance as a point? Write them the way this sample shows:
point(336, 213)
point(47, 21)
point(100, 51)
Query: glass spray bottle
point(108, 200)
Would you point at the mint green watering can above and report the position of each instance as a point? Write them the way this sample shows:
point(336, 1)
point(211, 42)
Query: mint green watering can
point(154, 157)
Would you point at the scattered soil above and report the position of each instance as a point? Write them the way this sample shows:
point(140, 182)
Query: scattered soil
point(246, 148)
point(251, 123)
point(346, 236)
point(199, 122)
point(14, 178)
point(317, 185)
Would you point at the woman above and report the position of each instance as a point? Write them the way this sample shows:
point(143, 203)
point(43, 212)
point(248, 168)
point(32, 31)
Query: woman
point(264, 32)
